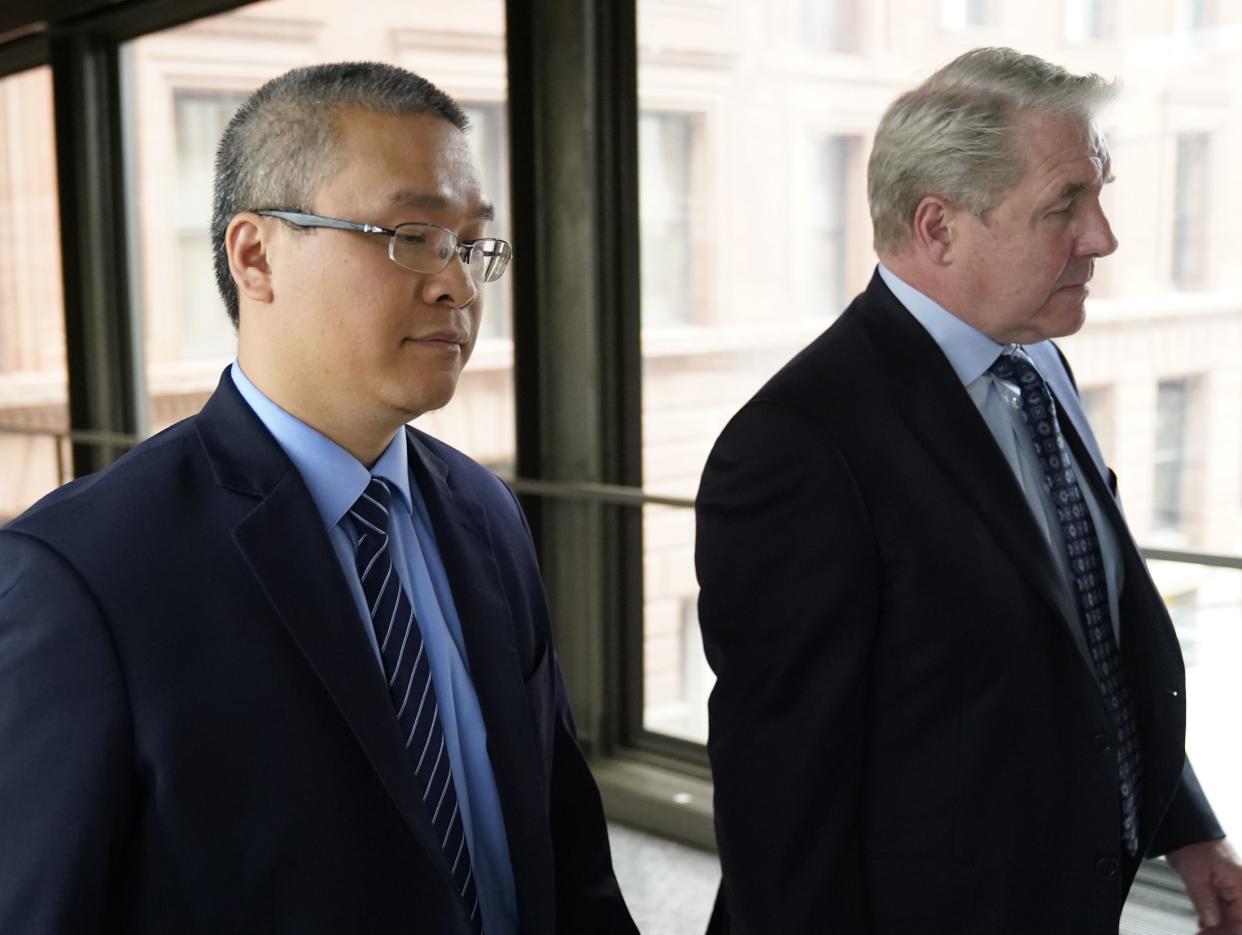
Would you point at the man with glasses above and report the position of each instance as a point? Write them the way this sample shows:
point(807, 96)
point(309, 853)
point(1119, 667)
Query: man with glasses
point(949, 696)
point(288, 666)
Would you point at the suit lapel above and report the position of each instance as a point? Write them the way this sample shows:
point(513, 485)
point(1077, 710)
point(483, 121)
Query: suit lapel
point(938, 411)
point(466, 549)
point(287, 549)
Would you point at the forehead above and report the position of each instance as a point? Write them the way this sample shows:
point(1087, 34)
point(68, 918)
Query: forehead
point(1060, 151)
point(382, 160)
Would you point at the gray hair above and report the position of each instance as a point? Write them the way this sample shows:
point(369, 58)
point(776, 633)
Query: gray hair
point(281, 143)
point(952, 135)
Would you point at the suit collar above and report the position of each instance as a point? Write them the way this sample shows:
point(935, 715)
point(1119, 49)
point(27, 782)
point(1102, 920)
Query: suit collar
point(935, 406)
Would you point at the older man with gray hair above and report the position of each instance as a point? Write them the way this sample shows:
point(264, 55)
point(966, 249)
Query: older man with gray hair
point(949, 697)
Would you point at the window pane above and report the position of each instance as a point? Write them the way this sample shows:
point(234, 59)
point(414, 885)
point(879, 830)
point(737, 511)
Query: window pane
point(676, 677)
point(1190, 211)
point(33, 381)
point(183, 86)
point(666, 144)
point(773, 220)
point(1206, 606)
point(1169, 456)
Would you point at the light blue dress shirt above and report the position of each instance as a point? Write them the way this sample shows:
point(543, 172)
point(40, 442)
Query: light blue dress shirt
point(336, 479)
point(971, 352)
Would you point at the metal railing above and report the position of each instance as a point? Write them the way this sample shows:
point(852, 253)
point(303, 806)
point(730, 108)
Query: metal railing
point(582, 491)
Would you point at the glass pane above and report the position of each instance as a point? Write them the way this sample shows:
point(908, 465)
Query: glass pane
point(33, 380)
point(1206, 606)
point(752, 169)
point(183, 86)
point(676, 677)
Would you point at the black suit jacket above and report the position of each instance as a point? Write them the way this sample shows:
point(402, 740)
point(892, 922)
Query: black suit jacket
point(904, 735)
point(195, 734)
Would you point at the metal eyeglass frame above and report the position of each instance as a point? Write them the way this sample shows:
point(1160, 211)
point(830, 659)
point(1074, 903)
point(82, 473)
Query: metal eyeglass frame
point(497, 252)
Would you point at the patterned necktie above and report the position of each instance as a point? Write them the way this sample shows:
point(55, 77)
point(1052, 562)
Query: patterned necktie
point(409, 685)
point(1086, 566)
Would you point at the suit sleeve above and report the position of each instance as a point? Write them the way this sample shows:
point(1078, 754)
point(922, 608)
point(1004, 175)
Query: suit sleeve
point(1189, 819)
point(789, 602)
point(65, 737)
point(588, 898)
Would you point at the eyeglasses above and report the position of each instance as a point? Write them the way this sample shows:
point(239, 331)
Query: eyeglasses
point(419, 247)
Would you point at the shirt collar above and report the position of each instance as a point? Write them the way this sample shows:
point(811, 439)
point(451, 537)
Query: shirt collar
point(334, 477)
point(970, 352)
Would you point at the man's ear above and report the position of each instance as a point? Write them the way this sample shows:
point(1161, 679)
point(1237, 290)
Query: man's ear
point(245, 243)
point(934, 228)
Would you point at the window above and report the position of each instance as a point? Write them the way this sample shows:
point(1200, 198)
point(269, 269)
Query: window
point(1097, 403)
point(1183, 609)
point(1085, 20)
point(1190, 211)
point(829, 26)
point(200, 119)
point(1206, 606)
point(666, 155)
point(1195, 15)
point(489, 138)
point(825, 215)
point(1169, 458)
point(33, 378)
point(183, 85)
point(967, 14)
point(744, 217)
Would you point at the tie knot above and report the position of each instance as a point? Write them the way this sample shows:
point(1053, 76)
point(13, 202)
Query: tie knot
point(370, 511)
point(1016, 369)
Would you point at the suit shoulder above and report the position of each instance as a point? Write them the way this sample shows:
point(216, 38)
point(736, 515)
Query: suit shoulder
point(834, 375)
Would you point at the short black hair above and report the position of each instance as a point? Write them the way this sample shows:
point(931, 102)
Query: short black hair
point(281, 142)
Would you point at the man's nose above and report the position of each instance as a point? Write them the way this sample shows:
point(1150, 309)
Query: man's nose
point(452, 286)
point(1097, 239)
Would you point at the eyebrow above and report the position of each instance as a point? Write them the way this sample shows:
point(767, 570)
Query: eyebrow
point(414, 199)
point(1072, 190)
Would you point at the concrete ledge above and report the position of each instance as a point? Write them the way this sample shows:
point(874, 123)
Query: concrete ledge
point(657, 799)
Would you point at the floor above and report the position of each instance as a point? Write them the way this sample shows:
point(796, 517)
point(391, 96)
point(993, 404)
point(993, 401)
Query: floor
point(670, 888)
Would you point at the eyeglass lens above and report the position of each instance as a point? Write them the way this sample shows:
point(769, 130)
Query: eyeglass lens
point(426, 249)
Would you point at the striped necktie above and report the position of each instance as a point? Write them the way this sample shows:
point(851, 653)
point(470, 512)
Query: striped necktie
point(1086, 565)
point(410, 687)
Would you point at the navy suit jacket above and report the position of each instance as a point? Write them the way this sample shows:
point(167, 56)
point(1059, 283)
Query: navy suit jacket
point(904, 734)
point(194, 735)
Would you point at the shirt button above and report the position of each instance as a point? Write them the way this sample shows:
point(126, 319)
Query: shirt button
point(1107, 866)
point(1102, 743)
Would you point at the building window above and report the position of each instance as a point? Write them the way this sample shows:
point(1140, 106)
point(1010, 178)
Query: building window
point(1097, 404)
point(824, 229)
point(1183, 611)
point(829, 26)
point(967, 14)
point(489, 138)
point(1086, 20)
point(1190, 211)
point(1169, 457)
point(199, 121)
point(666, 154)
point(1196, 15)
